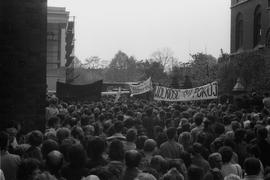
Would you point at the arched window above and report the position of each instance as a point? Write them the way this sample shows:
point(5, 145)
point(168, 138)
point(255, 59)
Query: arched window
point(239, 31)
point(257, 26)
point(267, 40)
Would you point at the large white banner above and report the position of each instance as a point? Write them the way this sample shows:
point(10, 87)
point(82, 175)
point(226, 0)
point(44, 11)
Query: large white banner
point(141, 88)
point(208, 91)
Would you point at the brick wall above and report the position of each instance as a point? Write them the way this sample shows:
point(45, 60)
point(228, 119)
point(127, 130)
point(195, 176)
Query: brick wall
point(23, 61)
point(247, 8)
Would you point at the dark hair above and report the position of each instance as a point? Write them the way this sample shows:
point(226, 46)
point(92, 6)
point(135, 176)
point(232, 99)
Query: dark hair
point(131, 135)
point(186, 157)
point(226, 153)
point(132, 158)
point(118, 126)
point(102, 173)
point(149, 145)
point(219, 129)
point(65, 146)
point(116, 150)
point(85, 120)
point(35, 138)
point(159, 164)
point(77, 156)
point(198, 118)
point(171, 133)
point(262, 133)
point(252, 166)
point(3, 140)
point(77, 133)
point(48, 146)
point(53, 121)
point(140, 141)
point(26, 168)
point(195, 173)
point(254, 150)
point(95, 148)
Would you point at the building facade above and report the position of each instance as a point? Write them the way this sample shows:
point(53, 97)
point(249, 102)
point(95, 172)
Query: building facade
point(57, 28)
point(250, 24)
point(250, 41)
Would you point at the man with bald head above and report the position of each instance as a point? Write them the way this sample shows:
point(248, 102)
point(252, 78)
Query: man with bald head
point(54, 162)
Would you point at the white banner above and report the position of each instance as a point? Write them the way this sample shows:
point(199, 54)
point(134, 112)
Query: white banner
point(141, 88)
point(208, 91)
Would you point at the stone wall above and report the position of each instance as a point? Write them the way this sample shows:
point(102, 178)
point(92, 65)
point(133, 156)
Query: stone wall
point(23, 62)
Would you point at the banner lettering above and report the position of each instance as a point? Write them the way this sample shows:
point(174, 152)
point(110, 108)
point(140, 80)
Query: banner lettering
point(208, 91)
point(141, 88)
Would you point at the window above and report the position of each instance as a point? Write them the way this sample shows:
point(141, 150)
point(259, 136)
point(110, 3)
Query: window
point(239, 31)
point(257, 26)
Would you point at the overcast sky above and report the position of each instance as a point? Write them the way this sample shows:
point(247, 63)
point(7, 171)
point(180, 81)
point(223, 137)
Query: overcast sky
point(140, 27)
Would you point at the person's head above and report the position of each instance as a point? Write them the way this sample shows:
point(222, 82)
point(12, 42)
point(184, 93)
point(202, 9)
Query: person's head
point(77, 133)
point(172, 174)
point(88, 130)
point(140, 141)
point(44, 176)
point(262, 133)
point(132, 158)
point(131, 135)
point(185, 138)
point(232, 177)
point(35, 138)
point(252, 166)
point(197, 148)
point(219, 129)
point(96, 148)
point(171, 133)
point(28, 169)
point(195, 173)
point(66, 145)
point(118, 126)
point(145, 176)
point(77, 156)
point(53, 122)
point(4, 141)
point(198, 118)
point(159, 163)
point(149, 145)
point(226, 153)
point(235, 125)
point(54, 161)
point(116, 151)
point(215, 160)
point(254, 150)
point(48, 146)
point(62, 133)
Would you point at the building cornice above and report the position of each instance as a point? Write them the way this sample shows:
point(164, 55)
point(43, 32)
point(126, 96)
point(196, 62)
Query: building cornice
point(238, 4)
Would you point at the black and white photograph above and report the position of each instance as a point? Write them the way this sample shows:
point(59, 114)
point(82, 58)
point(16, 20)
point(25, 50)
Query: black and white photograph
point(135, 90)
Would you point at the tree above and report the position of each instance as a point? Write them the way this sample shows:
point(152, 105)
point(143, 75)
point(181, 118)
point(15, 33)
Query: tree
point(164, 56)
point(203, 68)
point(122, 68)
point(92, 62)
point(187, 83)
point(153, 69)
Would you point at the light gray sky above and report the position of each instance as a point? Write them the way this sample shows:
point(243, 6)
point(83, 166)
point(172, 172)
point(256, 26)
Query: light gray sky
point(140, 27)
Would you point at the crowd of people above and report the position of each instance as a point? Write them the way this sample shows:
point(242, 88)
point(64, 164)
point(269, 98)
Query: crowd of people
point(141, 140)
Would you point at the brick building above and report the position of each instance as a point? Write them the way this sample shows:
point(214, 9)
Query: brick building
point(250, 34)
point(250, 24)
point(23, 62)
